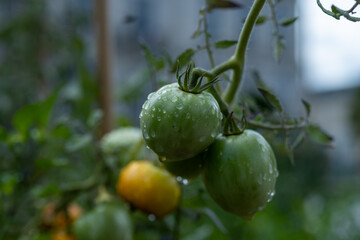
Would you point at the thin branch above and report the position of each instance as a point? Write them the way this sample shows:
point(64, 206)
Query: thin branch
point(269, 126)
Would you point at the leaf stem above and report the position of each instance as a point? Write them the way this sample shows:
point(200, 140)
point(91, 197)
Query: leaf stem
point(269, 126)
point(239, 57)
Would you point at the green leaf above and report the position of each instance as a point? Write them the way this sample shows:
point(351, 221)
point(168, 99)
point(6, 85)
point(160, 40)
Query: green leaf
point(289, 21)
point(49, 190)
point(197, 34)
point(274, 101)
point(266, 91)
point(335, 9)
point(261, 19)
point(298, 140)
point(8, 183)
point(78, 142)
point(157, 64)
point(183, 59)
point(319, 135)
point(221, 4)
point(307, 107)
point(34, 114)
point(225, 44)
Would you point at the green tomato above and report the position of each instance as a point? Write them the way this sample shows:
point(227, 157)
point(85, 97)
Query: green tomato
point(106, 221)
point(240, 173)
point(188, 168)
point(120, 139)
point(179, 125)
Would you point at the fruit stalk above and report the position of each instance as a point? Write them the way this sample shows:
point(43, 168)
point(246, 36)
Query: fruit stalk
point(238, 59)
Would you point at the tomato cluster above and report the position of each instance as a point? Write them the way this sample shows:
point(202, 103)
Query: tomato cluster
point(183, 129)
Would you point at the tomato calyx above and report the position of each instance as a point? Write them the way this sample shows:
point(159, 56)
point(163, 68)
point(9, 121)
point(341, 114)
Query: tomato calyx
point(231, 125)
point(191, 82)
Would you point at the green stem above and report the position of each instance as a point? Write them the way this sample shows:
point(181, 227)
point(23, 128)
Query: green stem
point(268, 126)
point(239, 56)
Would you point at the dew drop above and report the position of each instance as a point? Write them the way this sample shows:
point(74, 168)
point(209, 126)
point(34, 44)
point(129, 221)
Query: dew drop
point(187, 115)
point(158, 118)
point(179, 107)
point(202, 139)
point(146, 135)
point(151, 217)
point(152, 133)
point(174, 99)
point(176, 114)
point(185, 181)
point(146, 105)
point(153, 109)
point(150, 95)
point(261, 208)
point(213, 134)
point(179, 179)
point(164, 111)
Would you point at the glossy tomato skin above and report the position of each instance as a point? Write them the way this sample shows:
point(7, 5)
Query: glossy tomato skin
point(240, 173)
point(149, 188)
point(107, 221)
point(178, 125)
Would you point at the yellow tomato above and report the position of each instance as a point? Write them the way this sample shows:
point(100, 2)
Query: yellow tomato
point(149, 188)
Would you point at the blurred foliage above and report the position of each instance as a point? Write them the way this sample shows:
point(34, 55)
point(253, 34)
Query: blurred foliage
point(50, 152)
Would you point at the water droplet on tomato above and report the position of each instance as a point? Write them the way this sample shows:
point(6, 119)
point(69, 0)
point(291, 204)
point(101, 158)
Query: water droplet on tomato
point(185, 181)
point(174, 99)
point(152, 133)
point(187, 115)
point(150, 95)
point(146, 135)
point(158, 118)
point(164, 111)
point(151, 217)
point(180, 106)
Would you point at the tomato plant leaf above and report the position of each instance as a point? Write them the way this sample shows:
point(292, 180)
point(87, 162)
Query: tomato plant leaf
point(34, 114)
point(274, 101)
point(319, 135)
point(221, 4)
point(307, 107)
point(261, 19)
point(288, 22)
point(155, 63)
point(183, 59)
point(225, 44)
point(78, 142)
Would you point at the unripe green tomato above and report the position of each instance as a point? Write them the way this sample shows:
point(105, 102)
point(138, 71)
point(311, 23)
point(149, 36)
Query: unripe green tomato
point(106, 221)
point(120, 139)
point(240, 173)
point(178, 125)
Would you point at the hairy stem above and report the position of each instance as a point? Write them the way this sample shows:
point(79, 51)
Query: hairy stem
point(239, 56)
